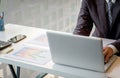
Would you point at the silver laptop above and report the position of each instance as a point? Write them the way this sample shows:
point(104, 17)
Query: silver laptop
point(76, 51)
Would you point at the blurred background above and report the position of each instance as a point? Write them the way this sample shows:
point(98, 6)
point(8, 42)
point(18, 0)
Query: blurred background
point(60, 15)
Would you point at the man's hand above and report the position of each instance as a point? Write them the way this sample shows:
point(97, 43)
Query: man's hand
point(108, 52)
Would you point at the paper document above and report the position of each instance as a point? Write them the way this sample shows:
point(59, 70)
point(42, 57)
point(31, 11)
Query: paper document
point(40, 40)
point(31, 54)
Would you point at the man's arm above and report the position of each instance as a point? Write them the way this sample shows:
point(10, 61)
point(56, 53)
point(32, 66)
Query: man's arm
point(115, 50)
point(111, 49)
point(84, 22)
point(117, 44)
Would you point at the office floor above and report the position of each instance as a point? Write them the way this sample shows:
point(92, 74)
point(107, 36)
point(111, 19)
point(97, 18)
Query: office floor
point(25, 73)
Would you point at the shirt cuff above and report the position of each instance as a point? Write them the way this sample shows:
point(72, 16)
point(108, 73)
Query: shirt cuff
point(115, 50)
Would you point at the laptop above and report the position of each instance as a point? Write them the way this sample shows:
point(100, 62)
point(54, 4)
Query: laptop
point(77, 51)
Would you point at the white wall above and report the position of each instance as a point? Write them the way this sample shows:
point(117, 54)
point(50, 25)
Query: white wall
point(58, 15)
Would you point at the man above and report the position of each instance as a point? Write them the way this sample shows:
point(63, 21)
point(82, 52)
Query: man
point(98, 12)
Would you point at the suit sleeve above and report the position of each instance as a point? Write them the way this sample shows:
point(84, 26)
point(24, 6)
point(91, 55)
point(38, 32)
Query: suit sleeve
point(84, 22)
point(117, 44)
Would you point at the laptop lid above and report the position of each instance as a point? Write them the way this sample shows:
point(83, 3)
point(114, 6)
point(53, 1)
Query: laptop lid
point(76, 51)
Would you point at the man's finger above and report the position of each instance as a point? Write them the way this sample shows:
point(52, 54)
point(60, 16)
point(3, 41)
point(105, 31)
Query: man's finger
point(107, 57)
point(105, 52)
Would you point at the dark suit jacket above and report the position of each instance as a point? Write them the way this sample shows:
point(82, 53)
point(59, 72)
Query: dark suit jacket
point(94, 11)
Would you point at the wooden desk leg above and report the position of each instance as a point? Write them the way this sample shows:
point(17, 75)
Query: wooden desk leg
point(12, 71)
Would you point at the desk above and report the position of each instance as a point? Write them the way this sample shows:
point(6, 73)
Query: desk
point(114, 70)
point(50, 67)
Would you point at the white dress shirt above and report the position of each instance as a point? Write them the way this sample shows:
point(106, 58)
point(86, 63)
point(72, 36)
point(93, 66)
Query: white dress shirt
point(115, 50)
point(113, 1)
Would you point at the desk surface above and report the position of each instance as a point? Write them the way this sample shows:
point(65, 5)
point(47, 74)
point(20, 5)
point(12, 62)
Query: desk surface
point(114, 70)
point(65, 71)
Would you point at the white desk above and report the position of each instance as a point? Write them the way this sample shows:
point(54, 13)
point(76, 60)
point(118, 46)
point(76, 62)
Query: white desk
point(50, 67)
point(114, 70)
